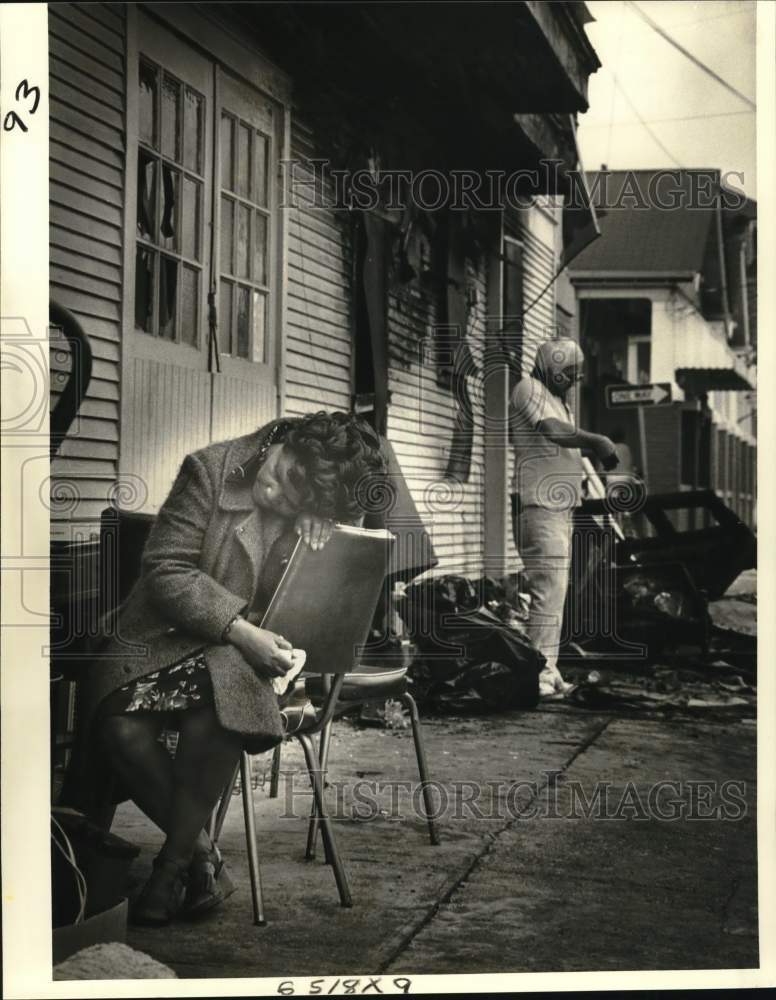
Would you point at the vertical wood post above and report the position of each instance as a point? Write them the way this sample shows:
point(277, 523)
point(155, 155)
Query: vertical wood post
point(498, 453)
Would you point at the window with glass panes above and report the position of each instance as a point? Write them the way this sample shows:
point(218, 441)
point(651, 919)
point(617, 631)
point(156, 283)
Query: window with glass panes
point(639, 359)
point(170, 186)
point(244, 239)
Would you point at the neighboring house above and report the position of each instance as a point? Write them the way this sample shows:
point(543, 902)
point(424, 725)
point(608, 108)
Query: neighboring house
point(668, 295)
point(187, 186)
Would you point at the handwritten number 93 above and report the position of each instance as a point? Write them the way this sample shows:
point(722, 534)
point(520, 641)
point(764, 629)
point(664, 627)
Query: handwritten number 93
point(24, 92)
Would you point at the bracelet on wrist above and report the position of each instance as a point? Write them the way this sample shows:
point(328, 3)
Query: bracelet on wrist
point(228, 627)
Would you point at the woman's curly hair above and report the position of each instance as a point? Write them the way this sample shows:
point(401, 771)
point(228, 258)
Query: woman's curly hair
point(341, 456)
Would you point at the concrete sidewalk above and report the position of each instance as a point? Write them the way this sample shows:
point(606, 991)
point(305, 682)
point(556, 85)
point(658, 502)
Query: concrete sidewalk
point(534, 872)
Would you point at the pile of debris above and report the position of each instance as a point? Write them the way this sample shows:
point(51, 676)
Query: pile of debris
point(661, 621)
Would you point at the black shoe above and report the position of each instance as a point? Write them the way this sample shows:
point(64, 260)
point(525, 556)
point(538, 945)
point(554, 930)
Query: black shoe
point(162, 896)
point(209, 884)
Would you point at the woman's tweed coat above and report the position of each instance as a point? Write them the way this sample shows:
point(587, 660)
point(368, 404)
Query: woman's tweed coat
point(209, 550)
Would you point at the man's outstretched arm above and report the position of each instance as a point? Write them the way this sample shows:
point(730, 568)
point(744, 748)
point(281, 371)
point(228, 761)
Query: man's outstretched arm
point(568, 436)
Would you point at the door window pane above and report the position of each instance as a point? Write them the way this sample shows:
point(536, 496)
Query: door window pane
point(193, 138)
point(260, 248)
point(245, 233)
point(243, 239)
point(227, 226)
point(168, 297)
point(227, 152)
point(225, 318)
point(190, 306)
point(259, 327)
point(170, 206)
point(168, 226)
point(243, 321)
point(171, 114)
point(190, 218)
point(146, 195)
point(144, 289)
point(261, 148)
point(147, 125)
point(243, 178)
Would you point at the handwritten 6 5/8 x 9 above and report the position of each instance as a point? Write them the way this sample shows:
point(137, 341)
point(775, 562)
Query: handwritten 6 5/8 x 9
point(325, 986)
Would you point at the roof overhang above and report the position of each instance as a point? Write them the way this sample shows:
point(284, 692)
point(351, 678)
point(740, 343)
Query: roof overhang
point(698, 380)
point(431, 86)
point(562, 28)
point(630, 277)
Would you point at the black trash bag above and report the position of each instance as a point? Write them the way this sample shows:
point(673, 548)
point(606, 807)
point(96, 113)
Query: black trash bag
point(464, 646)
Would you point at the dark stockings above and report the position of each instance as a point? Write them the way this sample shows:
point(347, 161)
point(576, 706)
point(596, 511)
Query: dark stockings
point(178, 794)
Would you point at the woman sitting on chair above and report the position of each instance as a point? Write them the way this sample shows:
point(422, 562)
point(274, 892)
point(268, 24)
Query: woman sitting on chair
point(181, 652)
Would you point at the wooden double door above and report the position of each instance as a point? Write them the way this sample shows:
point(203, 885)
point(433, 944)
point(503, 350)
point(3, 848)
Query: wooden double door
point(201, 323)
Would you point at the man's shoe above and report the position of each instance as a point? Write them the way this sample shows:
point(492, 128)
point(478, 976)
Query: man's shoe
point(552, 685)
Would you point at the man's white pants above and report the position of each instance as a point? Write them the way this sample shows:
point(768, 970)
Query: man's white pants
point(544, 544)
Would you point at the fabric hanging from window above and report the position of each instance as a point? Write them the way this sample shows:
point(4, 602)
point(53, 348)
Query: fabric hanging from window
point(458, 362)
point(167, 226)
point(146, 195)
point(372, 288)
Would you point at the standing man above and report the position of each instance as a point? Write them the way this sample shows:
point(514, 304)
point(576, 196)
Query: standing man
point(549, 478)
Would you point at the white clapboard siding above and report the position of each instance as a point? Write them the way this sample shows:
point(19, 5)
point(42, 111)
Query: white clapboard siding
point(420, 426)
point(318, 317)
point(86, 162)
point(539, 264)
point(540, 322)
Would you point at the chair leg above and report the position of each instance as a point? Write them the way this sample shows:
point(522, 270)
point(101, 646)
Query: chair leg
point(417, 735)
point(312, 830)
point(326, 829)
point(250, 836)
point(274, 774)
point(219, 813)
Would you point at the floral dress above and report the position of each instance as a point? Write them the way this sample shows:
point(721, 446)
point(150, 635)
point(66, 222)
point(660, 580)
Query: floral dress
point(171, 689)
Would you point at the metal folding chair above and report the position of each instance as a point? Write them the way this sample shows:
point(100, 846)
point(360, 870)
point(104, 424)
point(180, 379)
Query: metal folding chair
point(303, 725)
point(368, 683)
point(332, 652)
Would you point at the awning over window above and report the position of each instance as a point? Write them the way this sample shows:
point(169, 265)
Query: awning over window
point(697, 380)
point(580, 223)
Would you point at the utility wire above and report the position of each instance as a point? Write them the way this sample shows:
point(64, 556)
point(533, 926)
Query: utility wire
point(636, 112)
point(614, 90)
point(693, 59)
point(678, 118)
point(712, 17)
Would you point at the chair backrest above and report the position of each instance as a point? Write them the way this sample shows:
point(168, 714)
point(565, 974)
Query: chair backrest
point(324, 603)
point(326, 600)
point(123, 535)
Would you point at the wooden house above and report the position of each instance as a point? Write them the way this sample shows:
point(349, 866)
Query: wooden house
point(223, 273)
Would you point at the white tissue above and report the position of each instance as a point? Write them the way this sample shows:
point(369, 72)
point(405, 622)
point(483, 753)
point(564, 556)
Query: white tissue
point(280, 684)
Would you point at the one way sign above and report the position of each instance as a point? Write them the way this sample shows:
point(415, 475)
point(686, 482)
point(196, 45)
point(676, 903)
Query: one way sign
point(655, 394)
